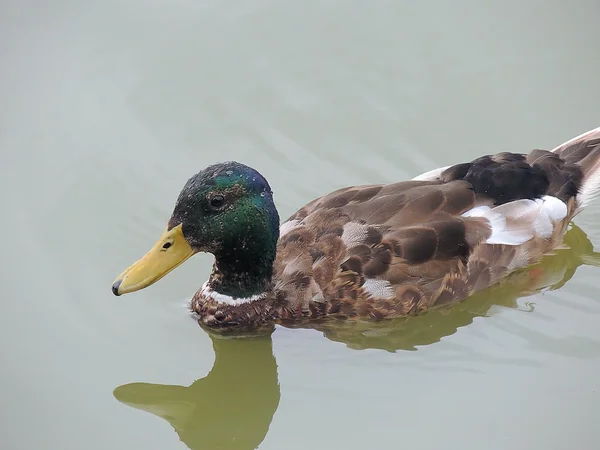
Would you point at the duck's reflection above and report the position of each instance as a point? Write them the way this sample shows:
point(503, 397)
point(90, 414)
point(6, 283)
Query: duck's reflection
point(232, 407)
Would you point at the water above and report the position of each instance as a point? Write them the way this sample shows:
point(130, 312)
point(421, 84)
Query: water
point(108, 107)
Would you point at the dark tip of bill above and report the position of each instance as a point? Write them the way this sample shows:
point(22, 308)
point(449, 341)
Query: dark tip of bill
point(115, 287)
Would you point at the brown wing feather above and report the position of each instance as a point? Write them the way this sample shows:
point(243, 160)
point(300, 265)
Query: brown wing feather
point(379, 251)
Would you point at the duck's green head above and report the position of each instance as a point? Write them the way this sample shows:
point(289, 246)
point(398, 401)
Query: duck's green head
point(226, 209)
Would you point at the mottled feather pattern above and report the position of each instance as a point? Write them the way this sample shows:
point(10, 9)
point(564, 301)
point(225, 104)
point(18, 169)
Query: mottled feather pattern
point(382, 251)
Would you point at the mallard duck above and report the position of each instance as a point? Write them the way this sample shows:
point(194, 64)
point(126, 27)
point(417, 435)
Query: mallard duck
point(370, 252)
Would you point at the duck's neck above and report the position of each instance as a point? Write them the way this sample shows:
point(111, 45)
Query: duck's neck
point(244, 270)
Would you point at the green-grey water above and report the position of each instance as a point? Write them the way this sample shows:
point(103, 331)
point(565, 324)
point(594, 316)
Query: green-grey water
point(108, 107)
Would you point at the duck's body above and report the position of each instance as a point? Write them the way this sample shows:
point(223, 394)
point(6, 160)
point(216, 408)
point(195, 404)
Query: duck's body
point(377, 251)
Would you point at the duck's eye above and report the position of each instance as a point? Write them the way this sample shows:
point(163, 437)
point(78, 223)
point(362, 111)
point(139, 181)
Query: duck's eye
point(166, 245)
point(217, 201)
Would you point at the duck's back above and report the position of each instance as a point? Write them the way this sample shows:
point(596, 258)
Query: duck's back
point(392, 250)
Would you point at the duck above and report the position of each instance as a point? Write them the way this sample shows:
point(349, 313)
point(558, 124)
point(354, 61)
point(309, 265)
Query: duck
point(369, 252)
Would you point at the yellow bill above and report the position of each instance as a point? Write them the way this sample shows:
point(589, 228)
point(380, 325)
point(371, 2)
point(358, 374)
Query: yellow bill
point(170, 251)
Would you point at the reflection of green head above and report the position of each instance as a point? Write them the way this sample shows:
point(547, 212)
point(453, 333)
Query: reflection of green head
point(232, 407)
point(227, 209)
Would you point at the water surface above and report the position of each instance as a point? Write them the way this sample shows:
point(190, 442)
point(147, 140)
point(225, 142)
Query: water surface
point(108, 107)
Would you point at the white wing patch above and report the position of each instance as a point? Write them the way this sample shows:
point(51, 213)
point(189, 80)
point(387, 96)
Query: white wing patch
point(501, 234)
point(554, 207)
point(354, 234)
point(516, 222)
point(378, 288)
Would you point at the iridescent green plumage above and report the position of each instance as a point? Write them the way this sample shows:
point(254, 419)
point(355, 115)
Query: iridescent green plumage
point(241, 230)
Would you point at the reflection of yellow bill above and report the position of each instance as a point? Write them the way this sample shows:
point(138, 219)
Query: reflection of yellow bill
point(170, 251)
